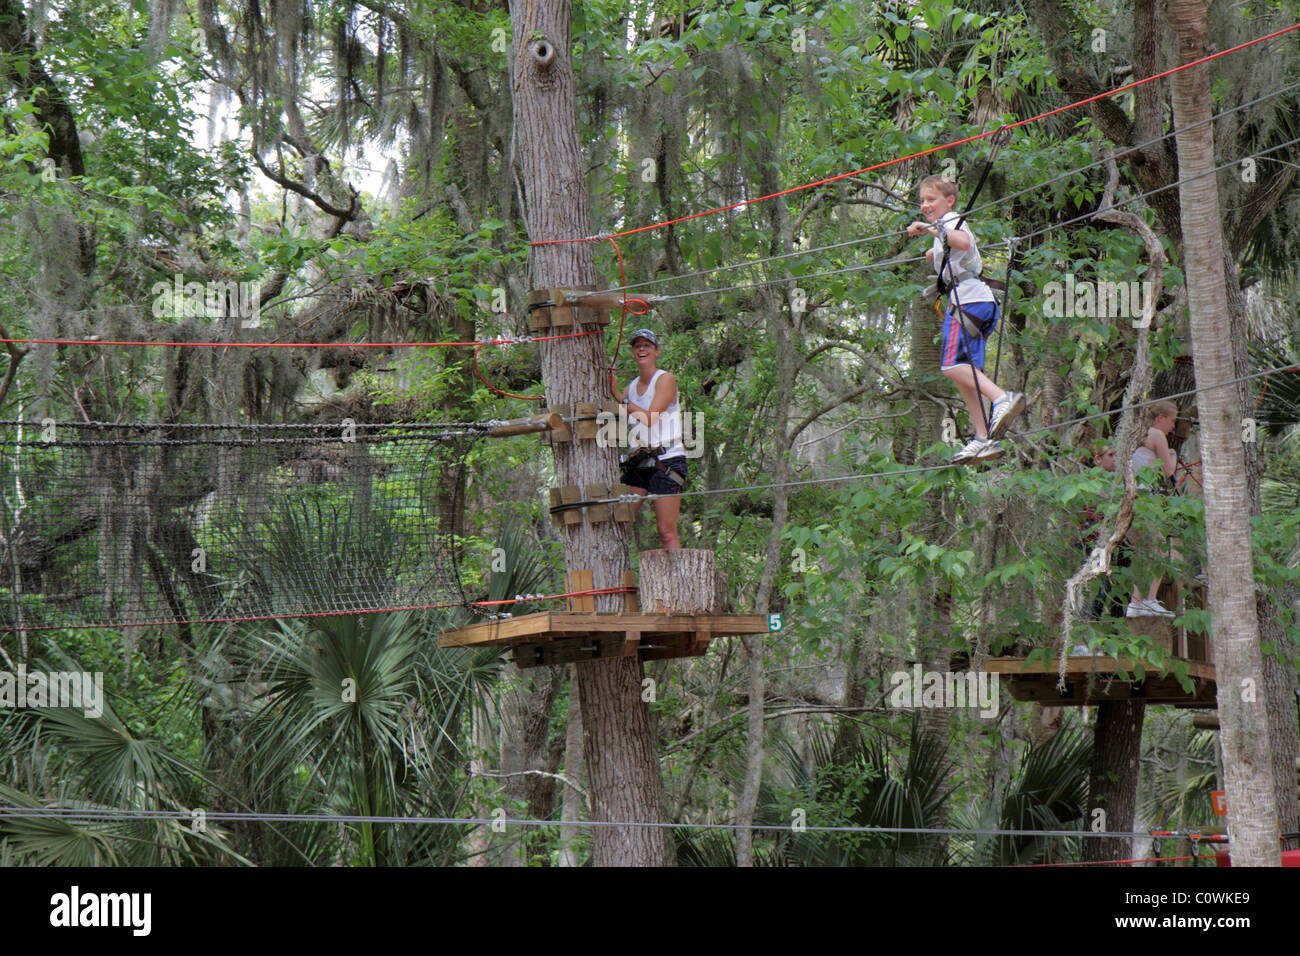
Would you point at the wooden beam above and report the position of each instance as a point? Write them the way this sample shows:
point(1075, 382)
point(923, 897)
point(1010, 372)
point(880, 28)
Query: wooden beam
point(548, 421)
point(1088, 665)
point(631, 604)
point(544, 626)
point(582, 581)
point(1091, 680)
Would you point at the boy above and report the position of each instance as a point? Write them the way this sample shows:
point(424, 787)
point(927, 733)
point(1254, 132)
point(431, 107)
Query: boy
point(962, 357)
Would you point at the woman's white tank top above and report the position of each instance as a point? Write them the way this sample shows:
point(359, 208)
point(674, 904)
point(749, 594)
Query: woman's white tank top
point(666, 432)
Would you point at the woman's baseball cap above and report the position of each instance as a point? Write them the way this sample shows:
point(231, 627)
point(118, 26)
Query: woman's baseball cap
point(644, 334)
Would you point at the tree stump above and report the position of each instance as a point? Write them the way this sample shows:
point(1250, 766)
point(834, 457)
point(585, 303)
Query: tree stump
point(681, 581)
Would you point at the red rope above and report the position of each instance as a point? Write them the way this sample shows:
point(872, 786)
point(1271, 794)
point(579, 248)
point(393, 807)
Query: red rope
point(925, 152)
point(1147, 859)
point(1187, 467)
point(622, 283)
point(300, 345)
point(377, 610)
point(526, 398)
point(1261, 393)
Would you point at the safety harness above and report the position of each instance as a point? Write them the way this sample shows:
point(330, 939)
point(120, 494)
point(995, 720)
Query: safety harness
point(642, 459)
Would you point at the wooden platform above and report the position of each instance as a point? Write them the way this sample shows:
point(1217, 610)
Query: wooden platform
point(565, 637)
point(1039, 682)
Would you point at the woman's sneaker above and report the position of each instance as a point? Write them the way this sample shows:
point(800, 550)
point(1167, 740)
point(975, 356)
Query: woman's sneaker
point(1005, 411)
point(1137, 610)
point(990, 451)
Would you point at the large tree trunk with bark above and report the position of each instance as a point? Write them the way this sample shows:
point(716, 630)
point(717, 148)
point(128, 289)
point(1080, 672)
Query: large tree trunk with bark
point(681, 581)
point(1252, 805)
point(526, 752)
point(1112, 786)
point(622, 768)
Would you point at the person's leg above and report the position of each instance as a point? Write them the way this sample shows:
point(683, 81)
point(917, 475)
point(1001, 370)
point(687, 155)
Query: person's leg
point(636, 508)
point(666, 511)
point(960, 376)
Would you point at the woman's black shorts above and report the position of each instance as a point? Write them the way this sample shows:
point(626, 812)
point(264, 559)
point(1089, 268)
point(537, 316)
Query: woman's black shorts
point(657, 482)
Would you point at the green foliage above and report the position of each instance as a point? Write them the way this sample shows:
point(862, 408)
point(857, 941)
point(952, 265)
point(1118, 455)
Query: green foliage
point(1049, 793)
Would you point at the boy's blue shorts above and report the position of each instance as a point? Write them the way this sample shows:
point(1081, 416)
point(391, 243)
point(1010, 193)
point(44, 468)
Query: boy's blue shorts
point(958, 347)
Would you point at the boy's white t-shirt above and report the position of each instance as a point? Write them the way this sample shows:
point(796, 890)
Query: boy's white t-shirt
point(968, 290)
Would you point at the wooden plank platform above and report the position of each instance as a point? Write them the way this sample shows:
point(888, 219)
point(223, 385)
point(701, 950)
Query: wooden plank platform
point(1039, 682)
point(563, 637)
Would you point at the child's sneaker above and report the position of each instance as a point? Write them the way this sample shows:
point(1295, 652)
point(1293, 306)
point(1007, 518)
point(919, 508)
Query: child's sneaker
point(1005, 411)
point(969, 451)
point(1157, 609)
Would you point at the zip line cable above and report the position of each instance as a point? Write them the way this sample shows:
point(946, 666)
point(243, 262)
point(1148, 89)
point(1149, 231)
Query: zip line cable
point(926, 152)
point(920, 469)
point(879, 263)
point(514, 340)
point(897, 261)
point(991, 204)
point(861, 267)
point(1150, 192)
point(109, 814)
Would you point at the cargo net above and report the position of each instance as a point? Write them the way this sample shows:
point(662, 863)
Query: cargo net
point(118, 525)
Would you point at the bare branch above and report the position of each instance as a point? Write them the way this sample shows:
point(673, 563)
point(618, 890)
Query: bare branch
point(344, 214)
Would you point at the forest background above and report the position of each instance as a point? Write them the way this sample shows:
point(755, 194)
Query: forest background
point(234, 140)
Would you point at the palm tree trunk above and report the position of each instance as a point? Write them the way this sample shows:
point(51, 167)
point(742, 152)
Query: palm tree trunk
point(1252, 806)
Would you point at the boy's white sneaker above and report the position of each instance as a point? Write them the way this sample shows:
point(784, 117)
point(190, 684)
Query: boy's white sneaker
point(1005, 411)
point(969, 451)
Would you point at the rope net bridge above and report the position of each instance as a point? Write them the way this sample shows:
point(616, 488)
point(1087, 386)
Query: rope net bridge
point(119, 525)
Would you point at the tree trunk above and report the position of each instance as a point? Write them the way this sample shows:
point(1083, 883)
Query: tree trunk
point(622, 769)
point(525, 715)
point(572, 802)
point(1279, 676)
point(1252, 805)
point(1112, 787)
point(683, 581)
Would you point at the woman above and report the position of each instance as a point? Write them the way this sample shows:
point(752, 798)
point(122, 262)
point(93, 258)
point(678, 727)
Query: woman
point(655, 428)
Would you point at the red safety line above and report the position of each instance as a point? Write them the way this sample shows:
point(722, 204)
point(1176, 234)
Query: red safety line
point(925, 152)
point(622, 283)
point(376, 610)
point(1187, 467)
point(300, 345)
point(526, 398)
point(1147, 859)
